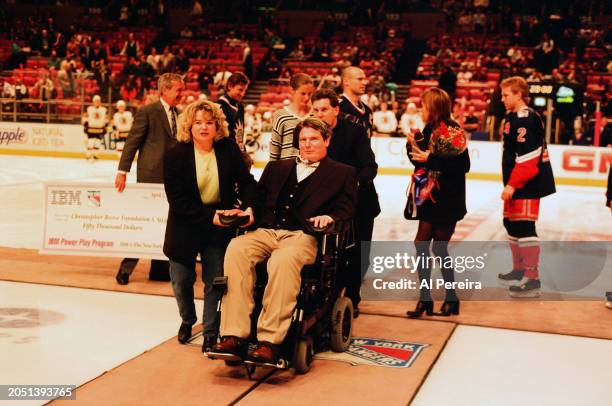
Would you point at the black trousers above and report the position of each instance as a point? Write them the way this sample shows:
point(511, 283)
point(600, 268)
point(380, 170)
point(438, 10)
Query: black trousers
point(160, 269)
point(363, 227)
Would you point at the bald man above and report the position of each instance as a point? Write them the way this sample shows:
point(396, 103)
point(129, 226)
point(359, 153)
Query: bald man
point(354, 84)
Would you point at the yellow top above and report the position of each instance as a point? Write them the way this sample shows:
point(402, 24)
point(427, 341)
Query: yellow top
point(208, 176)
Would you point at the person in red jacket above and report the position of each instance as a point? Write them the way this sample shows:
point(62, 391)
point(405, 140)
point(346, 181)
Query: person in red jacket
point(528, 177)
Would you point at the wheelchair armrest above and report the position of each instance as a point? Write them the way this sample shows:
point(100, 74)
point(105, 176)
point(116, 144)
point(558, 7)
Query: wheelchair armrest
point(233, 221)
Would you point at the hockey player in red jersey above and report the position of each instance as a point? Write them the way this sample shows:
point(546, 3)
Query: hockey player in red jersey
point(528, 176)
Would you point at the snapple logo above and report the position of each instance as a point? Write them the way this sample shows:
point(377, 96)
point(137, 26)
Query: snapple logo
point(12, 136)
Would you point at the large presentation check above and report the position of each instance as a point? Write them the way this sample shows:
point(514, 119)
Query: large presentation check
point(95, 219)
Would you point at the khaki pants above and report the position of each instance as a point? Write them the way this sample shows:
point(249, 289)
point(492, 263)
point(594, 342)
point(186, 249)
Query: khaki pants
point(288, 252)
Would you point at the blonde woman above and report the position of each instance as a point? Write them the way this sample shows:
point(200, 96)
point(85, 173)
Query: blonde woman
point(200, 174)
point(284, 121)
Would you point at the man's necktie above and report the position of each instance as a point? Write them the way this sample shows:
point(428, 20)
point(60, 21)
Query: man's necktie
point(173, 114)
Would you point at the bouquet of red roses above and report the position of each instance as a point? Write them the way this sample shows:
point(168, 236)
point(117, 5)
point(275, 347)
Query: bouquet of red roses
point(446, 141)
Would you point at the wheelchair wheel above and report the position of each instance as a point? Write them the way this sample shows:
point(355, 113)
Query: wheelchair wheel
point(303, 356)
point(341, 324)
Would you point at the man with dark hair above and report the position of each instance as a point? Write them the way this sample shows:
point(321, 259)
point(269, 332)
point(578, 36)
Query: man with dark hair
point(354, 83)
point(350, 145)
point(231, 104)
point(311, 188)
point(153, 132)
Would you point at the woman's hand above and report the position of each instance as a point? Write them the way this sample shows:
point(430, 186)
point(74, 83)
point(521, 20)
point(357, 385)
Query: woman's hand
point(249, 212)
point(410, 137)
point(216, 220)
point(418, 154)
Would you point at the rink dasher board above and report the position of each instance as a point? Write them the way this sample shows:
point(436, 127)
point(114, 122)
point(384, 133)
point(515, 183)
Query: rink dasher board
point(94, 219)
point(573, 165)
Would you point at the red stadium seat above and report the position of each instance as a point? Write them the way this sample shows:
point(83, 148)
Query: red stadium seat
point(493, 77)
point(461, 92)
point(415, 91)
point(194, 86)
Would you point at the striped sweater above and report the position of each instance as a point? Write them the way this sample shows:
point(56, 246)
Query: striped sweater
point(284, 122)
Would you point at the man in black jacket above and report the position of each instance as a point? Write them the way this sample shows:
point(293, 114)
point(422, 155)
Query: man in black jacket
point(354, 82)
point(311, 188)
point(350, 145)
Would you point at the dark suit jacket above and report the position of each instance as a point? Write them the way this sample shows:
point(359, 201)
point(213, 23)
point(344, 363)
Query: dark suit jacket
point(150, 136)
point(332, 191)
point(190, 220)
point(350, 145)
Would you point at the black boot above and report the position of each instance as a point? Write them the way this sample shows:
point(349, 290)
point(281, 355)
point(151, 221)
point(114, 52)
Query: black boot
point(449, 308)
point(421, 307)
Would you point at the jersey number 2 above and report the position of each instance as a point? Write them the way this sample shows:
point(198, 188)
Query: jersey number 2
point(522, 132)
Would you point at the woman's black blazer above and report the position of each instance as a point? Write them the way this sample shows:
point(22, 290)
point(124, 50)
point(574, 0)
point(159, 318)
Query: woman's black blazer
point(190, 220)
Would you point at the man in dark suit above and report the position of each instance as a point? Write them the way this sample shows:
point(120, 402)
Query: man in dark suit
point(354, 82)
point(311, 188)
point(350, 145)
point(154, 131)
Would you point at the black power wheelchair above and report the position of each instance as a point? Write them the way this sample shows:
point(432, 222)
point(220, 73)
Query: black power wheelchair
point(323, 316)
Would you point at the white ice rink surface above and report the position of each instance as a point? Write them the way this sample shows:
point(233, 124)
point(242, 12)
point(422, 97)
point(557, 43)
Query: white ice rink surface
point(488, 366)
point(478, 366)
point(68, 336)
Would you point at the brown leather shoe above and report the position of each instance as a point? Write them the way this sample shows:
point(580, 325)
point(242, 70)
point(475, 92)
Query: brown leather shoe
point(230, 348)
point(264, 353)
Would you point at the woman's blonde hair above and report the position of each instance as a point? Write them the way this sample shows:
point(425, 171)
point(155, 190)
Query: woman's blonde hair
point(187, 117)
point(438, 105)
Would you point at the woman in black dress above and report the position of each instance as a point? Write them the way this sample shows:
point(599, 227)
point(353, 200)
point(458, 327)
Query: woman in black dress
point(441, 161)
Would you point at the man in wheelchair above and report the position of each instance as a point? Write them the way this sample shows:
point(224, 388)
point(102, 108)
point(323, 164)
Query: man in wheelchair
point(290, 194)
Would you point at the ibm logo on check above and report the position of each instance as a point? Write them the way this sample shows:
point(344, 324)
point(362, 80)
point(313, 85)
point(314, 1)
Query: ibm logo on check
point(66, 197)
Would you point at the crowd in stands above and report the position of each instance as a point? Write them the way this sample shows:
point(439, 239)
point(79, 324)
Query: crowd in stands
point(477, 45)
point(552, 46)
